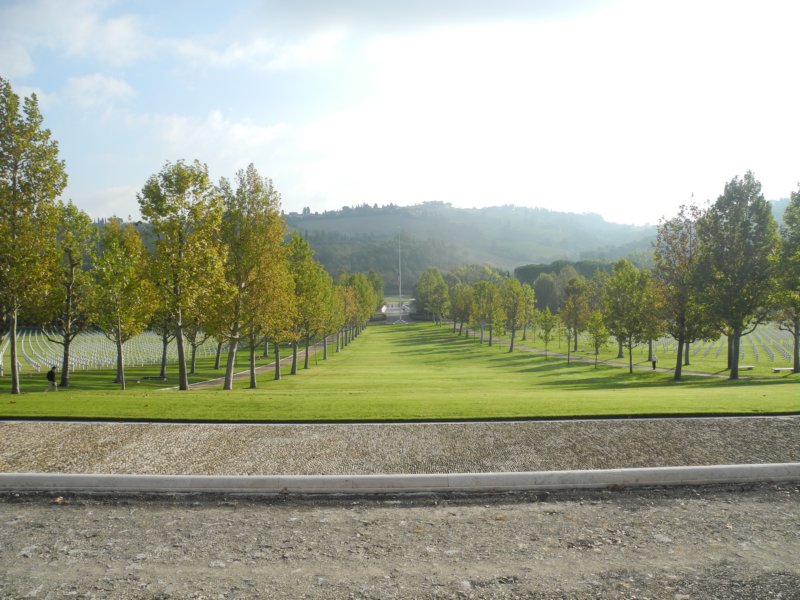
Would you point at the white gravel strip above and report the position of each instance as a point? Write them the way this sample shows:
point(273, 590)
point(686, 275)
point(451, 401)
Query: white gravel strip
point(370, 449)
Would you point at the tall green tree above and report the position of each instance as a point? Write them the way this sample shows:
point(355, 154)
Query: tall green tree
point(378, 285)
point(598, 333)
point(432, 294)
point(460, 305)
point(575, 312)
point(546, 290)
point(69, 312)
point(332, 316)
point(312, 286)
point(738, 245)
point(512, 296)
point(366, 299)
point(31, 178)
point(677, 256)
point(123, 299)
point(347, 303)
point(788, 297)
point(630, 306)
point(530, 309)
point(252, 232)
point(185, 211)
point(487, 310)
point(548, 323)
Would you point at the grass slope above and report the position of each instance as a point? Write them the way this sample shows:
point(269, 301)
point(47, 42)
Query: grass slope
point(420, 372)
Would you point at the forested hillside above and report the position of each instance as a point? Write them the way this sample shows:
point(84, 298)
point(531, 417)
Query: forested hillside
point(436, 234)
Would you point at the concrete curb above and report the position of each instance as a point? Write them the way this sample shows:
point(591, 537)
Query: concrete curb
point(398, 484)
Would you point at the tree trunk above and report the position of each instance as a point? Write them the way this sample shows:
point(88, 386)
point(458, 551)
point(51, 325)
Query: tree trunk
point(324, 346)
point(481, 333)
point(569, 347)
point(218, 356)
point(253, 384)
point(686, 354)
point(266, 347)
point(621, 351)
point(14, 362)
point(183, 376)
point(277, 347)
point(233, 347)
point(630, 355)
point(796, 346)
point(679, 361)
point(491, 332)
point(164, 345)
point(194, 359)
point(511, 345)
point(524, 332)
point(460, 328)
point(649, 350)
point(575, 335)
point(65, 363)
point(733, 343)
point(120, 363)
point(730, 354)
point(305, 362)
point(294, 359)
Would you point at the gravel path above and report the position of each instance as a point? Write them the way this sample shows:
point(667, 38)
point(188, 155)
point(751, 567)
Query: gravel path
point(394, 448)
point(712, 542)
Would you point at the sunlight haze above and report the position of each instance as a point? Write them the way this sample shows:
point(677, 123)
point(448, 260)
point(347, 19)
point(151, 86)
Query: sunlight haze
point(621, 108)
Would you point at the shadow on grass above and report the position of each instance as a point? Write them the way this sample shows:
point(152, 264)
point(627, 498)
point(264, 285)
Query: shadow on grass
point(554, 371)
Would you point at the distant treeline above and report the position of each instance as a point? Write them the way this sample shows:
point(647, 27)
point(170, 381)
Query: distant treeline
point(585, 268)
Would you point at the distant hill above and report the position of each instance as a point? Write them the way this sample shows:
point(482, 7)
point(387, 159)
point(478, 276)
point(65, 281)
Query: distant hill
point(437, 234)
point(778, 208)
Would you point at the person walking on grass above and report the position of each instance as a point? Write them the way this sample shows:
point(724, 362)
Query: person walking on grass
point(51, 378)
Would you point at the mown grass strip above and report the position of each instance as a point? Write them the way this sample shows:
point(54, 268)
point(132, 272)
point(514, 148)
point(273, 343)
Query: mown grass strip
point(421, 372)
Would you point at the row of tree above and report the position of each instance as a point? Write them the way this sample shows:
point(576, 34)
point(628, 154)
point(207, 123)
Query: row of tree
point(218, 263)
point(719, 271)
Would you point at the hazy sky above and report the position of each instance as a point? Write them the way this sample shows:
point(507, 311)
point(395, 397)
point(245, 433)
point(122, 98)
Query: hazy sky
point(625, 108)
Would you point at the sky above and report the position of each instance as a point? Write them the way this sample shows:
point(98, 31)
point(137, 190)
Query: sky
point(620, 107)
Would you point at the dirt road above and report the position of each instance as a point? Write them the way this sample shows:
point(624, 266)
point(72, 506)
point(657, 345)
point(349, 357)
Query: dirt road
point(717, 542)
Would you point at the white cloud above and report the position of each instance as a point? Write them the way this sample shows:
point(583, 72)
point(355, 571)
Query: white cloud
point(263, 53)
point(98, 92)
point(76, 28)
point(226, 145)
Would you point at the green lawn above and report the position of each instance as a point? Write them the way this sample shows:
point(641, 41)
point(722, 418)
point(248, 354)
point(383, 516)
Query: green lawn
point(413, 372)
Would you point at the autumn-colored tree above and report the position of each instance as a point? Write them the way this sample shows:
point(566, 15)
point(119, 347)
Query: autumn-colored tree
point(123, 298)
point(31, 178)
point(68, 310)
point(255, 260)
point(185, 211)
point(312, 285)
